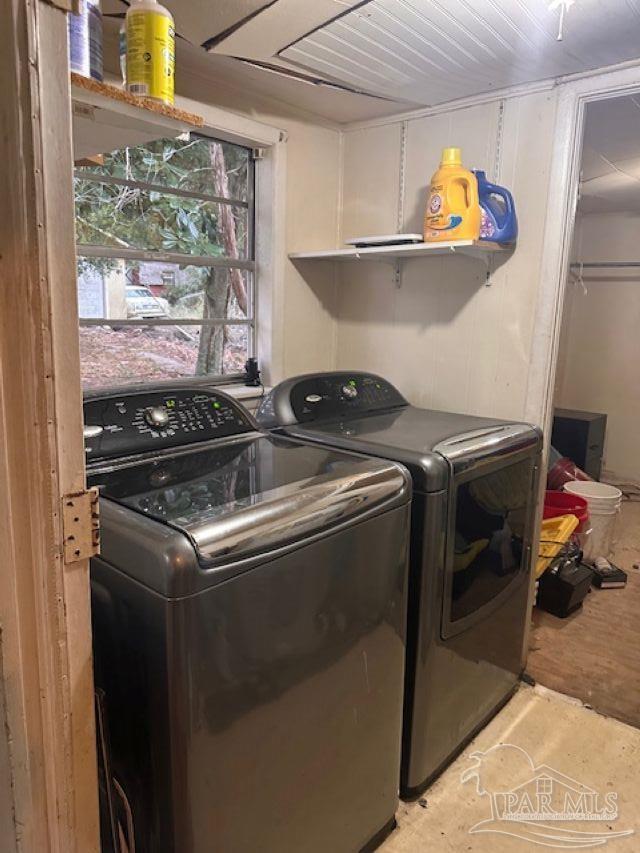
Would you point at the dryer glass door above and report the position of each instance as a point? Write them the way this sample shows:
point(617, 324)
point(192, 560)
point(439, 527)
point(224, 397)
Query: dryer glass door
point(488, 541)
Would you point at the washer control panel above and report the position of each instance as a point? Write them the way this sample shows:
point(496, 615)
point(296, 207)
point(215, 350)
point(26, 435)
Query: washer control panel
point(129, 424)
point(337, 395)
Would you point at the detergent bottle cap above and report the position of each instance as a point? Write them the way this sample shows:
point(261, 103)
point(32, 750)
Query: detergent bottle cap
point(451, 157)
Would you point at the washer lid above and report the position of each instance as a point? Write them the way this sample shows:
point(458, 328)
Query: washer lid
point(250, 496)
point(364, 413)
point(426, 442)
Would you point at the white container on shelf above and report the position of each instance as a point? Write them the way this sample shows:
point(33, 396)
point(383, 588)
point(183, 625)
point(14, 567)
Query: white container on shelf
point(604, 507)
point(150, 51)
point(85, 40)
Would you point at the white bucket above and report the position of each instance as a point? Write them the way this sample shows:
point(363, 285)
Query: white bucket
point(604, 506)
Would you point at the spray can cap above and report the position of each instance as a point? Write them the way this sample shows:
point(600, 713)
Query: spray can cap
point(451, 157)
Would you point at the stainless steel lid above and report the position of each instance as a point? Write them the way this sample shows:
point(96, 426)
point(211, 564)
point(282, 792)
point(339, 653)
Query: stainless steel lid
point(252, 494)
point(364, 413)
point(295, 511)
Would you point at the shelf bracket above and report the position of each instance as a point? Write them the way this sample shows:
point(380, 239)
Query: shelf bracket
point(485, 258)
point(488, 262)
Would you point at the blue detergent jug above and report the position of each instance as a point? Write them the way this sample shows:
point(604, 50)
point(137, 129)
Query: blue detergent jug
point(499, 221)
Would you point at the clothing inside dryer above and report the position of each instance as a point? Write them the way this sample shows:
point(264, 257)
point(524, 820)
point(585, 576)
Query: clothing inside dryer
point(490, 521)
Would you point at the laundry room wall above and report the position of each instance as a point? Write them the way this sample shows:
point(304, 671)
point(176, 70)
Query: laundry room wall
point(445, 338)
point(600, 344)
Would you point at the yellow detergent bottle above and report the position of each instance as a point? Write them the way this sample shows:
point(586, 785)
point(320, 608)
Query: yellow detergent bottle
point(453, 210)
point(151, 55)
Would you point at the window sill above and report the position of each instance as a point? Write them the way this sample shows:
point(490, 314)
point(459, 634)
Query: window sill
point(243, 392)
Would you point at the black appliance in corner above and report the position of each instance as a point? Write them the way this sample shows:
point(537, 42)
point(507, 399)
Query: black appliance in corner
point(580, 437)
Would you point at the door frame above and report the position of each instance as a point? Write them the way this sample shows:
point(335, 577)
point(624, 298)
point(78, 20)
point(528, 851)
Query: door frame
point(559, 231)
point(48, 773)
point(564, 182)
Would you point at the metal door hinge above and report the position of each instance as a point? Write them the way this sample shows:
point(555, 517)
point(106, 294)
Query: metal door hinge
point(81, 525)
point(258, 154)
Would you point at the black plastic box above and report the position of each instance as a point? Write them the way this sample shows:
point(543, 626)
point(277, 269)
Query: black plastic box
point(562, 592)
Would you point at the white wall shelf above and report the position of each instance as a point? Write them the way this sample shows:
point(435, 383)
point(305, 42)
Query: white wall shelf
point(480, 250)
point(106, 118)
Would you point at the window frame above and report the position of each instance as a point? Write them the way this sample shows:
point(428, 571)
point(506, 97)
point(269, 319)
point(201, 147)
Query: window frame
point(248, 265)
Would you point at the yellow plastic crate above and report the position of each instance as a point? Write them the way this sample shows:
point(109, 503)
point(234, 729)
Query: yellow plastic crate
point(555, 533)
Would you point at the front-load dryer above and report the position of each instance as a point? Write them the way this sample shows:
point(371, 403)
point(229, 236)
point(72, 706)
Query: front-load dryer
point(474, 496)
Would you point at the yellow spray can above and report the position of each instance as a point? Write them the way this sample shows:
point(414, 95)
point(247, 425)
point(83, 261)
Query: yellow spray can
point(453, 210)
point(151, 54)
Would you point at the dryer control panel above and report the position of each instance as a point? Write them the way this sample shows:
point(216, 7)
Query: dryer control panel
point(129, 424)
point(327, 396)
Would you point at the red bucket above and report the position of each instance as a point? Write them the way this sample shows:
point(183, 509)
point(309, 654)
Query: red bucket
point(562, 503)
point(563, 471)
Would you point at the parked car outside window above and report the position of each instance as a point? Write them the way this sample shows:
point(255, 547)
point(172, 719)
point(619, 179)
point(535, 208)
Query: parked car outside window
point(142, 303)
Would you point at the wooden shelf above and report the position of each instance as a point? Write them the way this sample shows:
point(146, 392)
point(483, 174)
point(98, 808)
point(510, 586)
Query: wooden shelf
point(481, 250)
point(106, 118)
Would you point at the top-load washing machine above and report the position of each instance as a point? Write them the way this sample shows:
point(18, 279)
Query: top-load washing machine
point(474, 496)
point(249, 624)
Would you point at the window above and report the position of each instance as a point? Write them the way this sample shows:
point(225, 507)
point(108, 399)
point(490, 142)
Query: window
point(166, 262)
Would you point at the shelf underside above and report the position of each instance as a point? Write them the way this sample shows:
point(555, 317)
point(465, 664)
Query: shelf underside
point(106, 118)
point(393, 254)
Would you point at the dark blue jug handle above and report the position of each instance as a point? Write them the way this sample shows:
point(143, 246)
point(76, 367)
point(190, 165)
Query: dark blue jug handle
point(509, 203)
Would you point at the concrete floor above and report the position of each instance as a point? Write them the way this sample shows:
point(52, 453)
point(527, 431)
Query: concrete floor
point(594, 654)
point(578, 748)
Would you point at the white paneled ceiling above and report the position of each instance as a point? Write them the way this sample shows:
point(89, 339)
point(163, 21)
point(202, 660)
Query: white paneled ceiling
point(399, 53)
point(430, 52)
point(610, 178)
point(285, 21)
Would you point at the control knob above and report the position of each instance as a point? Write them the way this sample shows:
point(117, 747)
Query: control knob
point(350, 392)
point(157, 416)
